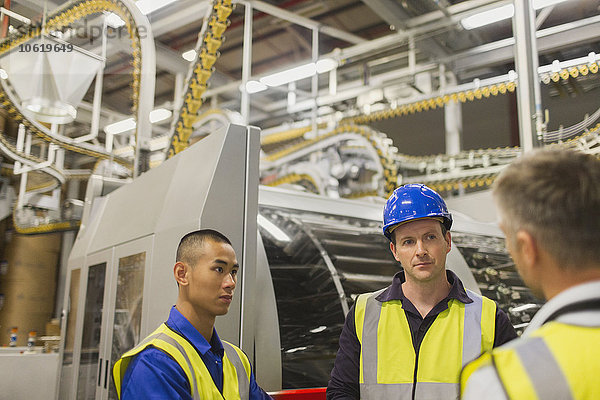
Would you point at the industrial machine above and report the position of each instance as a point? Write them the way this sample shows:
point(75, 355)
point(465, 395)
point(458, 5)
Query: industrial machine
point(304, 259)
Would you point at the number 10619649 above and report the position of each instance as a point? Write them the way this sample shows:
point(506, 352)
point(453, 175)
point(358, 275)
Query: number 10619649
point(45, 48)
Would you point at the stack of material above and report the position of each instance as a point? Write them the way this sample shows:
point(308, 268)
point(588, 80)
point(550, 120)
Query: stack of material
point(28, 284)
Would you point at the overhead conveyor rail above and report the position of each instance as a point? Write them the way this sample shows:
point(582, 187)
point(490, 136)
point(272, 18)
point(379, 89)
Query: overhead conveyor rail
point(142, 96)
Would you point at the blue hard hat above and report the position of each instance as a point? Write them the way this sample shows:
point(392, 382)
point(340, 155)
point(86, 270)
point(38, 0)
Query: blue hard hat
point(414, 201)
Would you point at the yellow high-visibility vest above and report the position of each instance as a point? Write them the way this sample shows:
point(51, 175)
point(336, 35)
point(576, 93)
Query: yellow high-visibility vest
point(389, 368)
point(236, 367)
point(558, 361)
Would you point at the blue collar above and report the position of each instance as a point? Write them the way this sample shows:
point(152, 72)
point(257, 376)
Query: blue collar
point(181, 325)
point(394, 291)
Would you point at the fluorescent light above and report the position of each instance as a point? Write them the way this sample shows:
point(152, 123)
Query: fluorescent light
point(318, 329)
point(114, 21)
point(120, 127)
point(290, 75)
point(537, 4)
point(274, 230)
point(295, 349)
point(3, 74)
point(157, 115)
point(148, 6)
point(160, 114)
point(488, 17)
point(524, 307)
point(255, 86)
point(189, 55)
point(326, 65)
point(500, 13)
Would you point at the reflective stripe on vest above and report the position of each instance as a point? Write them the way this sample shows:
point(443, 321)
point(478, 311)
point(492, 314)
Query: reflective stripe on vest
point(541, 367)
point(236, 367)
point(388, 360)
point(239, 362)
point(558, 361)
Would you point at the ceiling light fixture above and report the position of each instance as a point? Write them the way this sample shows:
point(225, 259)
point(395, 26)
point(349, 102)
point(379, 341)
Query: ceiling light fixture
point(299, 72)
point(160, 114)
point(149, 6)
point(129, 124)
point(290, 75)
point(537, 4)
point(255, 87)
point(501, 13)
point(189, 55)
point(488, 17)
point(326, 65)
point(120, 127)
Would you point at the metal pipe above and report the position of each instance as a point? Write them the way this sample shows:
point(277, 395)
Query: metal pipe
point(147, 84)
point(542, 16)
point(246, 62)
point(452, 116)
point(529, 103)
point(314, 91)
point(335, 276)
point(178, 91)
point(97, 102)
point(412, 57)
point(14, 15)
point(21, 146)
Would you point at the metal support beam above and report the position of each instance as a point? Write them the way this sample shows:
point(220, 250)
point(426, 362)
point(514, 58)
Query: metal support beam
point(529, 104)
point(246, 63)
point(146, 99)
point(452, 114)
point(549, 39)
point(315, 81)
point(97, 102)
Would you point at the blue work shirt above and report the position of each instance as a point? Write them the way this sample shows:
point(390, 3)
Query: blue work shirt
point(153, 374)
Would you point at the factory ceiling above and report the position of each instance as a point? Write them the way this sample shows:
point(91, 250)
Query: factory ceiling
point(386, 50)
point(432, 27)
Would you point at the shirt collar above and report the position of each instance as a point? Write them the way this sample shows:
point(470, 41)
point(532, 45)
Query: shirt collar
point(585, 291)
point(180, 324)
point(394, 291)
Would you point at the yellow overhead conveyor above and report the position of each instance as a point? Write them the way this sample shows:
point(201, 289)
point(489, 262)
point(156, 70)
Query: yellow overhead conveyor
point(210, 40)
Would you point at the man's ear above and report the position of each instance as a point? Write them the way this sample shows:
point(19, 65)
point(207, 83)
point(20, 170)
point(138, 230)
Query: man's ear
point(393, 250)
point(180, 272)
point(528, 247)
point(448, 241)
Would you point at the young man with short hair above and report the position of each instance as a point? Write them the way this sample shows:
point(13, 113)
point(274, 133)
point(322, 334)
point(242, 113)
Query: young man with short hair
point(184, 358)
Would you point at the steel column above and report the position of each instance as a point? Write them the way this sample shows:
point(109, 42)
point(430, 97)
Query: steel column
point(452, 115)
point(246, 63)
point(143, 132)
point(529, 103)
point(314, 92)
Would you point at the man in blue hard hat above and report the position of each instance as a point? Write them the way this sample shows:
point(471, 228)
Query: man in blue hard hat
point(411, 339)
